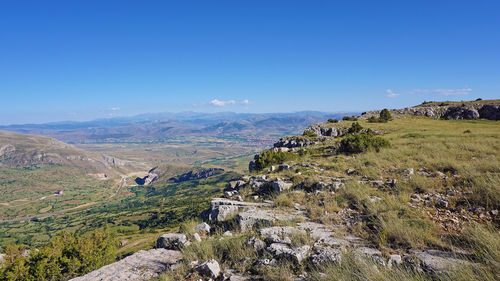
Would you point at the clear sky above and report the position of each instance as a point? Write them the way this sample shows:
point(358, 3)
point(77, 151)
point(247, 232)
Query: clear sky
point(84, 59)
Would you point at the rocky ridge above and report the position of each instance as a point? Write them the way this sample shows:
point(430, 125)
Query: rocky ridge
point(469, 110)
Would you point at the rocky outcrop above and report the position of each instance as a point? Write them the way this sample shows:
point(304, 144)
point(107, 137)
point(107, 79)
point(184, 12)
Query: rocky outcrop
point(196, 175)
point(321, 129)
point(222, 209)
point(456, 113)
point(467, 111)
point(141, 266)
point(149, 179)
point(292, 142)
point(490, 111)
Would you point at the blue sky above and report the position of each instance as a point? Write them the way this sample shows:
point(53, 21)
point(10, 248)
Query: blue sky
point(81, 60)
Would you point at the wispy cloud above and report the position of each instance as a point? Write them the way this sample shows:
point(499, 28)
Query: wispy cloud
point(114, 108)
point(391, 94)
point(444, 92)
point(220, 103)
point(216, 102)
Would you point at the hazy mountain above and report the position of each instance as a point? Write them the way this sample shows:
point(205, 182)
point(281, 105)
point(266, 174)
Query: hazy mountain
point(169, 125)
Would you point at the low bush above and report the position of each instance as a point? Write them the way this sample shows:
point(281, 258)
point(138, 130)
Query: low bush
point(331, 120)
point(350, 118)
point(270, 157)
point(362, 142)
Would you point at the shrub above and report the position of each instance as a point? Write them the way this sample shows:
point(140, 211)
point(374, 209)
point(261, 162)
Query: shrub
point(350, 118)
point(270, 157)
point(333, 120)
point(362, 142)
point(479, 99)
point(385, 115)
point(67, 255)
point(355, 128)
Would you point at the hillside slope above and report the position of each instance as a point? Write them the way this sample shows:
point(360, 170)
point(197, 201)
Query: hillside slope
point(19, 151)
point(412, 198)
point(409, 199)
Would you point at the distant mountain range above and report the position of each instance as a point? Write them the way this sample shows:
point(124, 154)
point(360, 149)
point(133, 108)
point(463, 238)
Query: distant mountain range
point(156, 126)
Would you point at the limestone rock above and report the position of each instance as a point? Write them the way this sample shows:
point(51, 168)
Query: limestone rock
point(202, 228)
point(281, 250)
point(172, 241)
point(456, 113)
point(439, 261)
point(196, 237)
point(279, 234)
point(222, 209)
point(326, 255)
point(258, 217)
point(209, 269)
point(256, 243)
point(140, 266)
point(279, 185)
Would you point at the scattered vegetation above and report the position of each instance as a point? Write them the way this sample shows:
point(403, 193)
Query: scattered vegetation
point(270, 157)
point(361, 142)
point(66, 256)
point(350, 118)
point(333, 120)
point(384, 117)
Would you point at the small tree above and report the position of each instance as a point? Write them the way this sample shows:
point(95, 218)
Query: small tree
point(385, 115)
point(355, 128)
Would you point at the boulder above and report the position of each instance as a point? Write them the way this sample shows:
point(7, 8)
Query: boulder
point(439, 261)
point(279, 185)
point(259, 218)
point(256, 243)
point(202, 228)
point(222, 209)
point(172, 241)
point(279, 234)
point(196, 237)
point(140, 266)
point(326, 255)
point(283, 251)
point(372, 253)
point(394, 260)
point(210, 269)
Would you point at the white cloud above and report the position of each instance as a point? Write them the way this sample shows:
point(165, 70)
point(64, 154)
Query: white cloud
point(391, 94)
point(444, 92)
point(114, 108)
point(216, 102)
